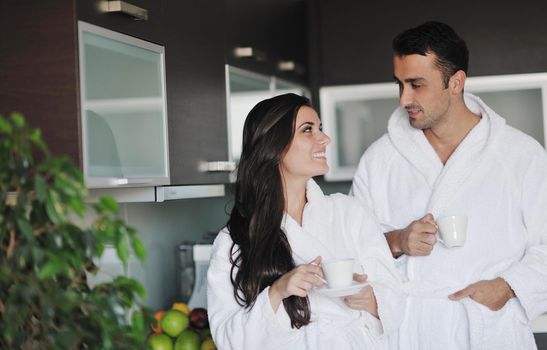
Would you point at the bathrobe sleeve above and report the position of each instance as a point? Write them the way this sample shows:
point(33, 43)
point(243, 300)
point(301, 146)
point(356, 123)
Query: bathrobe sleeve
point(378, 263)
point(235, 327)
point(528, 277)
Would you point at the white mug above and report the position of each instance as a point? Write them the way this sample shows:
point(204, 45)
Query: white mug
point(338, 273)
point(453, 230)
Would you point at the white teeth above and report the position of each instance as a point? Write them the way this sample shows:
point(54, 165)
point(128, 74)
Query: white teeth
point(319, 155)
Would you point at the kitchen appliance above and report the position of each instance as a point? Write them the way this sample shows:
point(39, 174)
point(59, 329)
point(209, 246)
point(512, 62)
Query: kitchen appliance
point(192, 277)
point(109, 266)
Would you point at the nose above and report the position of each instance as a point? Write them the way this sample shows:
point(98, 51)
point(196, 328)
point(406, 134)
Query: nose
point(405, 97)
point(323, 139)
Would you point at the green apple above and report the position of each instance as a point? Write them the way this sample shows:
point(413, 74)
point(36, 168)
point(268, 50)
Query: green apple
point(160, 342)
point(188, 340)
point(174, 322)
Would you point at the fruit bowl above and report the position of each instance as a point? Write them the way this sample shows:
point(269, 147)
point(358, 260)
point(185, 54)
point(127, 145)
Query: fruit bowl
point(180, 328)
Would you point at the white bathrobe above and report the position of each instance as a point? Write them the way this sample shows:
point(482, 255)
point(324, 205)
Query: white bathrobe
point(498, 178)
point(335, 226)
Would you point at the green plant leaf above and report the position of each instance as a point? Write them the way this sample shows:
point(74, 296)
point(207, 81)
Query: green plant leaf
point(138, 324)
point(138, 248)
point(107, 203)
point(52, 268)
point(36, 137)
point(5, 126)
point(55, 208)
point(41, 188)
point(25, 227)
point(46, 301)
point(122, 248)
point(18, 120)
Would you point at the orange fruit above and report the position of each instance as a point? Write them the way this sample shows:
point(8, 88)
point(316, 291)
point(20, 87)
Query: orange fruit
point(156, 325)
point(182, 307)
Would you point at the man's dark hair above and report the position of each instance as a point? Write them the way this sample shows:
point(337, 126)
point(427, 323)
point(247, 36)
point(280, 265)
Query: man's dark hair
point(438, 38)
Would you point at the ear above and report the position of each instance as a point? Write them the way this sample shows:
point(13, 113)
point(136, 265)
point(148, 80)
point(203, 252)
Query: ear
point(457, 82)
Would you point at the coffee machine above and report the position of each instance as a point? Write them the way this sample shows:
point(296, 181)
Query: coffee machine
point(192, 277)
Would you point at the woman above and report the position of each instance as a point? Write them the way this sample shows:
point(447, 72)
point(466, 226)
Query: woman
point(265, 269)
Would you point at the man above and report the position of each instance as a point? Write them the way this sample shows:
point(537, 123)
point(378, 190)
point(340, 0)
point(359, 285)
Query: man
point(448, 153)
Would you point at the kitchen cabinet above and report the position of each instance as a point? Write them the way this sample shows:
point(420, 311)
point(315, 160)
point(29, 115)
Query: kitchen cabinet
point(245, 89)
point(129, 20)
point(196, 92)
point(357, 115)
point(271, 37)
point(354, 116)
point(40, 74)
point(39, 65)
point(123, 109)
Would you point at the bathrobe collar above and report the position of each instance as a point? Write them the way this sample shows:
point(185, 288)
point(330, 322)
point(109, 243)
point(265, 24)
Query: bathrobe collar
point(310, 237)
point(446, 180)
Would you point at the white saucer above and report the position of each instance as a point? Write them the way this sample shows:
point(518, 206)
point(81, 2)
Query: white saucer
point(342, 291)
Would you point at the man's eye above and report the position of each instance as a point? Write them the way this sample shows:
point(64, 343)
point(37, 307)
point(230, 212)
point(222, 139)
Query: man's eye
point(415, 86)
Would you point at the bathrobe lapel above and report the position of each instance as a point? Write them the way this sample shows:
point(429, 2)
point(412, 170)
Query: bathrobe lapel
point(472, 153)
point(314, 234)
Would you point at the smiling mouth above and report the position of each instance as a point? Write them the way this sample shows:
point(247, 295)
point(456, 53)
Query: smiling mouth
point(412, 112)
point(319, 155)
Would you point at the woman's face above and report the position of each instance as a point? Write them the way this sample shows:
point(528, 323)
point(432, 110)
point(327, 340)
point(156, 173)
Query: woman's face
point(306, 154)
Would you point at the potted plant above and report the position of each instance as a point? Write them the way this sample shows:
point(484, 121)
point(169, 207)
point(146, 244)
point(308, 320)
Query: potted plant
point(45, 300)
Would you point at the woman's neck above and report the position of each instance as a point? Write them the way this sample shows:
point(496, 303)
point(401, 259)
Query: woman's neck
point(295, 198)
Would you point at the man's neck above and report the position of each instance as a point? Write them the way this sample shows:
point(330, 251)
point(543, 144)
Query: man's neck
point(446, 136)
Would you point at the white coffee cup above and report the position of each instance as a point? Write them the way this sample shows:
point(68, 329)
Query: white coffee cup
point(453, 230)
point(338, 272)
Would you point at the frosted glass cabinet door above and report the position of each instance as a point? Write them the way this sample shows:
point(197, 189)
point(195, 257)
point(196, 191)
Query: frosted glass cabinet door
point(522, 109)
point(354, 117)
point(357, 115)
point(245, 89)
point(123, 109)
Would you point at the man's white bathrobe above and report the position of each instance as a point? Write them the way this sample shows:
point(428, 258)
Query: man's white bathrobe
point(498, 178)
point(335, 226)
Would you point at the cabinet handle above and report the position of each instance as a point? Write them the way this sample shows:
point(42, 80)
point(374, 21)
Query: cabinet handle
point(122, 181)
point(124, 7)
point(218, 166)
point(290, 66)
point(249, 52)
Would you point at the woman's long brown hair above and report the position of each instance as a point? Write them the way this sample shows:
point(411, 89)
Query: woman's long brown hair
point(263, 252)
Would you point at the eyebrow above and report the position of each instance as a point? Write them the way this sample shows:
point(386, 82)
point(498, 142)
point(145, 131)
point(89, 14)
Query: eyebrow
point(308, 123)
point(410, 80)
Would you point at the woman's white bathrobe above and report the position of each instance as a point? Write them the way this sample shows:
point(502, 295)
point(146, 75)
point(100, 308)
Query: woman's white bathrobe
point(498, 178)
point(333, 226)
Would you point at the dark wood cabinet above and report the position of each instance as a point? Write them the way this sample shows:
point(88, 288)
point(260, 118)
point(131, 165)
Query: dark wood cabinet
point(276, 29)
point(39, 69)
point(196, 91)
point(151, 29)
point(39, 73)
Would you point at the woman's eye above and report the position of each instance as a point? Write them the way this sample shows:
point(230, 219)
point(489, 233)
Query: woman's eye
point(307, 129)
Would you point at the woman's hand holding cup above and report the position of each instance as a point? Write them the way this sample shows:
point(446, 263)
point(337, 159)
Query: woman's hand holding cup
point(299, 281)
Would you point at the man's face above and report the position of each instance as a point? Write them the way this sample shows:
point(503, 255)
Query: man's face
point(421, 90)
